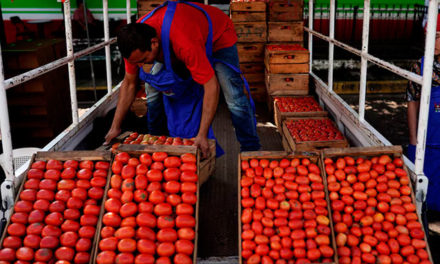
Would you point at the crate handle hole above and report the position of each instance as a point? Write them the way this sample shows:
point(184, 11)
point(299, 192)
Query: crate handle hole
point(288, 79)
point(289, 57)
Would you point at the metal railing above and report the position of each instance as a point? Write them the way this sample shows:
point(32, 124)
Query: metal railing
point(8, 184)
point(425, 80)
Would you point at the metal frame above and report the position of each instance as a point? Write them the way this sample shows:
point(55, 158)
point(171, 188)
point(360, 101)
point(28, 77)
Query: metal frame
point(80, 127)
point(354, 124)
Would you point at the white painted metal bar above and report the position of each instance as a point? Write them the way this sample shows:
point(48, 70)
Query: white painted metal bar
point(5, 127)
point(331, 47)
point(71, 64)
point(311, 2)
point(107, 48)
point(386, 65)
point(128, 11)
point(29, 75)
point(364, 62)
point(422, 180)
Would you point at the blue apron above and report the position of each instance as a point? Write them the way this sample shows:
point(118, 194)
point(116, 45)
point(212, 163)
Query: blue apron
point(183, 98)
point(432, 152)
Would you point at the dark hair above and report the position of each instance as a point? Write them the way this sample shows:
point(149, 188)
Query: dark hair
point(135, 36)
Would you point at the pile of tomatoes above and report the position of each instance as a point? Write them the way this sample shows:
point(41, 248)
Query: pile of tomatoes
point(147, 139)
point(150, 210)
point(313, 130)
point(297, 104)
point(56, 214)
point(374, 216)
point(284, 214)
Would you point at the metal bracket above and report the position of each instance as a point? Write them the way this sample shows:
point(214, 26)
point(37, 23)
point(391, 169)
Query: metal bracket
point(421, 191)
point(7, 203)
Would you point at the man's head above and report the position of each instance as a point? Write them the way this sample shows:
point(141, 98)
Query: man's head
point(138, 43)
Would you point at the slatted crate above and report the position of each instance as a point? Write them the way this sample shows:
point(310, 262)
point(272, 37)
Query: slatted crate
point(251, 31)
point(250, 52)
point(145, 6)
point(292, 144)
point(258, 92)
point(280, 116)
point(257, 6)
point(287, 83)
point(282, 11)
point(355, 159)
point(285, 31)
point(289, 58)
point(64, 156)
point(247, 16)
point(278, 156)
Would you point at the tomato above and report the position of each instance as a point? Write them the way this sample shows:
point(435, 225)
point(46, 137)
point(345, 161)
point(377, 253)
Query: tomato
point(28, 195)
point(128, 209)
point(109, 243)
point(165, 249)
point(145, 233)
point(146, 246)
point(98, 182)
point(96, 193)
point(114, 193)
point(35, 174)
point(111, 219)
point(127, 197)
point(23, 206)
point(172, 162)
point(25, 253)
point(36, 216)
point(145, 159)
point(66, 184)
point(189, 167)
point(82, 258)
point(72, 214)
point(43, 254)
point(154, 175)
point(167, 235)
point(32, 184)
point(185, 221)
point(172, 187)
point(189, 198)
point(12, 242)
point(146, 219)
point(87, 232)
point(16, 229)
point(68, 239)
point(88, 220)
point(127, 245)
point(70, 225)
point(106, 257)
point(125, 232)
point(128, 172)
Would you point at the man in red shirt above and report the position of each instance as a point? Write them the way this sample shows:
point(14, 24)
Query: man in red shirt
point(196, 44)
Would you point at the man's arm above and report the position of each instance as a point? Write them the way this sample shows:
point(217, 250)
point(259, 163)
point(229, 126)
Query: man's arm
point(126, 97)
point(210, 102)
point(413, 114)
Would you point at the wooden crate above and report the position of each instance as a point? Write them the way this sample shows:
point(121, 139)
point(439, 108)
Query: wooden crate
point(254, 77)
point(369, 152)
point(286, 54)
point(251, 31)
point(63, 156)
point(279, 116)
point(258, 92)
point(278, 155)
point(148, 5)
point(137, 150)
point(310, 145)
point(247, 16)
point(250, 52)
point(287, 84)
point(248, 6)
point(251, 67)
point(286, 31)
point(281, 11)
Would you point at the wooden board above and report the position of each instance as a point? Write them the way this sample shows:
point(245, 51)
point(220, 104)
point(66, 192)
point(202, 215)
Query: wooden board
point(286, 54)
point(251, 67)
point(137, 150)
point(247, 16)
point(149, 5)
point(279, 116)
point(287, 84)
point(368, 152)
point(285, 10)
point(287, 68)
point(310, 145)
point(63, 156)
point(285, 31)
point(258, 92)
point(278, 155)
point(250, 52)
point(251, 31)
point(248, 6)
point(254, 77)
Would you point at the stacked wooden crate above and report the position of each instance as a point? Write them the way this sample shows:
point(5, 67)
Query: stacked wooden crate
point(250, 24)
point(285, 23)
point(145, 6)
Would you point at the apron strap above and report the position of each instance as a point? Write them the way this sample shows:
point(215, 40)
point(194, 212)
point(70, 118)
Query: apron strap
point(165, 34)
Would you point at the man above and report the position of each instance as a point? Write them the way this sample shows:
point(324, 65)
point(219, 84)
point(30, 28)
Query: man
point(190, 40)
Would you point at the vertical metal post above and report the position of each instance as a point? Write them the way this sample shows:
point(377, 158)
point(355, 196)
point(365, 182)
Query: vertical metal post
point(206, 2)
point(71, 65)
point(331, 46)
point(364, 62)
point(128, 11)
point(5, 127)
point(311, 35)
point(107, 48)
point(425, 100)
point(92, 70)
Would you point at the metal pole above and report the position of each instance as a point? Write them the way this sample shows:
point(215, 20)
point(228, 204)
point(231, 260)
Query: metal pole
point(311, 35)
point(107, 48)
point(71, 65)
point(331, 47)
point(364, 61)
point(5, 128)
point(425, 100)
point(128, 12)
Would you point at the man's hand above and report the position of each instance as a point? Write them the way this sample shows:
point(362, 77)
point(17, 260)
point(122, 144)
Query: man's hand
point(112, 133)
point(202, 143)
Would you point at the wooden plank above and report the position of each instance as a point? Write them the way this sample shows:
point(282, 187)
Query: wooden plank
point(251, 31)
point(286, 54)
point(250, 52)
point(287, 68)
point(251, 67)
point(285, 10)
point(149, 5)
point(376, 151)
point(248, 6)
point(287, 84)
point(74, 155)
point(245, 16)
point(254, 77)
point(285, 31)
point(311, 145)
point(373, 87)
point(172, 150)
point(279, 116)
point(258, 91)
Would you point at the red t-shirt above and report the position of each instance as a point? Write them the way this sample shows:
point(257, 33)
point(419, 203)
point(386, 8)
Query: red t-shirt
point(188, 34)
